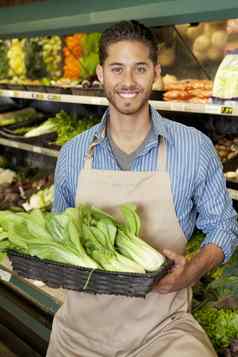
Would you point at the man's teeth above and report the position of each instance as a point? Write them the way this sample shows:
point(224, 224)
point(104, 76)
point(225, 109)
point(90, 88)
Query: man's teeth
point(128, 95)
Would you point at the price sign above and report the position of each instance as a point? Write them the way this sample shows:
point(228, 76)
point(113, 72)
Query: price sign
point(54, 97)
point(39, 96)
point(226, 110)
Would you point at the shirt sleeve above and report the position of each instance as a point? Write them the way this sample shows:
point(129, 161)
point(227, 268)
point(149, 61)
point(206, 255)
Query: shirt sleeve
point(216, 215)
point(62, 196)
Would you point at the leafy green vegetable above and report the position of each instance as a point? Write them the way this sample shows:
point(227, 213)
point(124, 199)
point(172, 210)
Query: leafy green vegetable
point(220, 325)
point(28, 233)
point(90, 58)
point(98, 237)
point(133, 247)
point(225, 286)
point(139, 251)
point(109, 259)
point(19, 116)
point(45, 128)
point(35, 66)
point(194, 243)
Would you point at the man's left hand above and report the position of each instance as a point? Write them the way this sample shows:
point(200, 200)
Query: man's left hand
point(186, 273)
point(176, 279)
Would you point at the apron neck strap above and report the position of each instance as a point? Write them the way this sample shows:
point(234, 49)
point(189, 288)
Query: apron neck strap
point(89, 155)
point(161, 159)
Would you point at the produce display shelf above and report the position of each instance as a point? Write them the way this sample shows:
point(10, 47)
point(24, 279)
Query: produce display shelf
point(94, 100)
point(28, 147)
point(46, 301)
point(54, 97)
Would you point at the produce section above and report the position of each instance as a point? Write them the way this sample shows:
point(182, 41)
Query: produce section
point(61, 69)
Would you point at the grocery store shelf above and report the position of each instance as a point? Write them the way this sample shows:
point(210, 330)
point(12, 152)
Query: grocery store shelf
point(93, 100)
point(53, 97)
point(76, 15)
point(28, 147)
point(45, 301)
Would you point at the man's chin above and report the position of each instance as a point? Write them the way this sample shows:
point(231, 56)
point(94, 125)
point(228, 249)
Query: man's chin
point(128, 108)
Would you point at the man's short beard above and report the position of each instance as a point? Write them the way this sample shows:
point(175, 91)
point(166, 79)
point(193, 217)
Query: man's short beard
point(130, 111)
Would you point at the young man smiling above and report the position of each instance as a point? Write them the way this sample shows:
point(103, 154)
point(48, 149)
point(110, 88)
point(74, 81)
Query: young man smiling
point(172, 173)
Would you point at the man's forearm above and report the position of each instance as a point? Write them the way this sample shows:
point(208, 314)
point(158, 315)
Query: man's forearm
point(208, 258)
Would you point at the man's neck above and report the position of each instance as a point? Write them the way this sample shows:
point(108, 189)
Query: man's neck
point(129, 131)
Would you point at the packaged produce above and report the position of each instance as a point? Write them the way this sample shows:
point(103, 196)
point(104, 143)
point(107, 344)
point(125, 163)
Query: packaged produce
point(72, 53)
point(4, 66)
point(52, 56)
point(16, 59)
point(35, 66)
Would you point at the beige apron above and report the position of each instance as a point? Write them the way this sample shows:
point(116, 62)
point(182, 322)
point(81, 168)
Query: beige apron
point(106, 325)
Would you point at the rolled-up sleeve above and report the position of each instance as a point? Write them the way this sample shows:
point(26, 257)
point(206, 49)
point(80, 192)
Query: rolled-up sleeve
point(216, 215)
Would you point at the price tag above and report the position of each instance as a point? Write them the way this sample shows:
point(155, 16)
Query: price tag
point(54, 97)
point(1, 92)
point(15, 94)
point(39, 96)
point(37, 149)
point(226, 110)
point(233, 194)
point(4, 275)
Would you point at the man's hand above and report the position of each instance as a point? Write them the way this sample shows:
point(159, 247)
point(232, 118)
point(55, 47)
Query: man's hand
point(176, 278)
point(187, 273)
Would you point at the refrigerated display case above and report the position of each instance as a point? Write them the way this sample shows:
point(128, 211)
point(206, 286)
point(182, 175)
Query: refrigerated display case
point(192, 38)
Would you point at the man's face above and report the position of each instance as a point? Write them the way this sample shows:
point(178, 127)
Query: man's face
point(128, 74)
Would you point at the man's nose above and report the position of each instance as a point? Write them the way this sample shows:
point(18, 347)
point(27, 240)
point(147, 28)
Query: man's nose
point(128, 79)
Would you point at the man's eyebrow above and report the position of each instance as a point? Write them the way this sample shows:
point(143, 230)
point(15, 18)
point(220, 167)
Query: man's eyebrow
point(121, 64)
point(142, 64)
point(116, 64)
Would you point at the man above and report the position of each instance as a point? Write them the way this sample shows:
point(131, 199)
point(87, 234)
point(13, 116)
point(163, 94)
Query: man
point(174, 176)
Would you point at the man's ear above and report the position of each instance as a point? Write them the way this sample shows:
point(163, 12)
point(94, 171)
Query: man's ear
point(157, 72)
point(99, 71)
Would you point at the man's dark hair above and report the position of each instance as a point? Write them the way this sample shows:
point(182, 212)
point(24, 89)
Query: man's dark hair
point(131, 31)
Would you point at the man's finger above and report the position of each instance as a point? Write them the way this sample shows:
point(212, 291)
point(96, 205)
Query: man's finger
point(178, 259)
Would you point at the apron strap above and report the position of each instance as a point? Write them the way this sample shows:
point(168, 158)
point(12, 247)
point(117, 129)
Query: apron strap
point(88, 162)
point(161, 159)
point(89, 156)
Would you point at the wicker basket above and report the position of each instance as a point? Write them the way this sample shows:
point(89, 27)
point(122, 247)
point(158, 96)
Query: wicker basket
point(59, 275)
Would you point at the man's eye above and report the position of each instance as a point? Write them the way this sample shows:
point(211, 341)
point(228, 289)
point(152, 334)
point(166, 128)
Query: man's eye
point(141, 69)
point(116, 69)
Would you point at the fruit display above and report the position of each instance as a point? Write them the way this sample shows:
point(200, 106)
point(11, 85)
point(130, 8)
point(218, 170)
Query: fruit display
point(72, 53)
point(90, 57)
point(52, 56)
point(3, 60)
point(207, 40)
point(35, 66)
point(81, 56)
point(16, 57)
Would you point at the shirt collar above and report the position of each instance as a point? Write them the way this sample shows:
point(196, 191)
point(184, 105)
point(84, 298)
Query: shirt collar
point(159, 127)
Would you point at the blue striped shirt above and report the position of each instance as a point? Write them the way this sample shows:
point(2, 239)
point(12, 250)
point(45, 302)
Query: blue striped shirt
point(197, 182)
